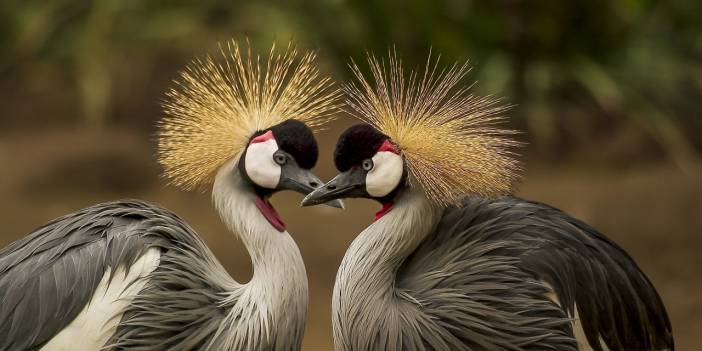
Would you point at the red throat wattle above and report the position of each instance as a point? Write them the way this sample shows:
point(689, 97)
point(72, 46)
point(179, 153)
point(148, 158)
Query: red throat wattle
point(383, 211)
point(270, 213)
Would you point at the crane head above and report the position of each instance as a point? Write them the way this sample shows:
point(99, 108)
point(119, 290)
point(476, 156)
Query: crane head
point(278, 158)
point(240, 111)
point(281, 158)
point(449, 141)
point(371, 166)
point(225, 104)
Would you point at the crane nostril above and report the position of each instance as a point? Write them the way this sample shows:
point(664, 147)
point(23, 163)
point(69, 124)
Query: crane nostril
point(331, 187)
point(314, 184)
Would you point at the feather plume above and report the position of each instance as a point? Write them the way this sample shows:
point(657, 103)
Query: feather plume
point(447, 135)
point(217, 104)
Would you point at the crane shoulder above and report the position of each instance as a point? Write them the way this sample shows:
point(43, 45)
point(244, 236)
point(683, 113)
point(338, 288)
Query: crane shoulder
point(495, 253)
point(50, 275)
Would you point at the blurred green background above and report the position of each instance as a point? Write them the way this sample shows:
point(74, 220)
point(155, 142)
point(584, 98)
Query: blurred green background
point(608, 95)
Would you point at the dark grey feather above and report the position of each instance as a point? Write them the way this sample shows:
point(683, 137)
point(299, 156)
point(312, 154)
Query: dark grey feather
point(479, 277)
point(48, 277)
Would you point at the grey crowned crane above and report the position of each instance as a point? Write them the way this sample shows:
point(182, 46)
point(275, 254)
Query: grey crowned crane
point(452, 261)
point(130, 275)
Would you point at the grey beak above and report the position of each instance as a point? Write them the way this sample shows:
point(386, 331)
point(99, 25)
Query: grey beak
point(348, 184)
point(303, 181)
point(338, 203)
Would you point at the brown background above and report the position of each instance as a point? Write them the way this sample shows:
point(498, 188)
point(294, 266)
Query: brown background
point(608, 95)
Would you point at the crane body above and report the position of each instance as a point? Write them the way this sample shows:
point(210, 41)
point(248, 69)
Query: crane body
point(134, 275)
point(129, 275)
point(492, 274)
point(453, 260)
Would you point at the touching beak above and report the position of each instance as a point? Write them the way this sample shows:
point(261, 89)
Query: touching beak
point(348, 184)
point(295, 178)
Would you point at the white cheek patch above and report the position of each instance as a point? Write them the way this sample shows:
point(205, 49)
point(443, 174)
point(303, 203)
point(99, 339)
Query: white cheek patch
point(260, 166)
point(385, 175)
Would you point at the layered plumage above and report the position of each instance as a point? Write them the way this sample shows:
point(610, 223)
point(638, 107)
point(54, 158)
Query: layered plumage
point(492, 274)
point(48, 277)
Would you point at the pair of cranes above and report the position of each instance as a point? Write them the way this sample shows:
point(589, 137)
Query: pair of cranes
point(452, 261)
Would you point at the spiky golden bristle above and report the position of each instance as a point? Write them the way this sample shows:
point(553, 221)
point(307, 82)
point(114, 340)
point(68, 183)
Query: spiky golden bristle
point(447, 135)
point(218, 104)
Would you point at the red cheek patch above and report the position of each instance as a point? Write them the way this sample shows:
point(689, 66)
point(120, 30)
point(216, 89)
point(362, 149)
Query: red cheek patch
point(262, 138)
point(388, 146)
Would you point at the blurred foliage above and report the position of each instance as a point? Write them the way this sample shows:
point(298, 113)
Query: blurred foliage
point(578, 72)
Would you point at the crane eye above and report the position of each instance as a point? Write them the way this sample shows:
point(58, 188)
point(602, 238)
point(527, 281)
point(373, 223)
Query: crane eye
point(367, 164)
point(280, 159)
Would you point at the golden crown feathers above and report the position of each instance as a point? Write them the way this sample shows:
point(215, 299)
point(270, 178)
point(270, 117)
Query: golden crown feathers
point(217, 104)
point(447, 135)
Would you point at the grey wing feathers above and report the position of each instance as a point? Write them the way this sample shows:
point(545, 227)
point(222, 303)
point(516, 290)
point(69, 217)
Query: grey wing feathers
point(493, 256)
point(47, 277)
point(181, 306)
point(476, 298)
point(615, 299)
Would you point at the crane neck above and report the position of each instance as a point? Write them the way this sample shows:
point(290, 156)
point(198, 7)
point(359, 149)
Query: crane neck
point(380, 250)
point(277, 292)
point(399, 231)
point(366, 280)
point(235, 200)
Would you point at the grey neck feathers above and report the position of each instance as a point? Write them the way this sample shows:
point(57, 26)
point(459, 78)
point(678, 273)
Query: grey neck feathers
point(367, 273)
point(270, 310)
